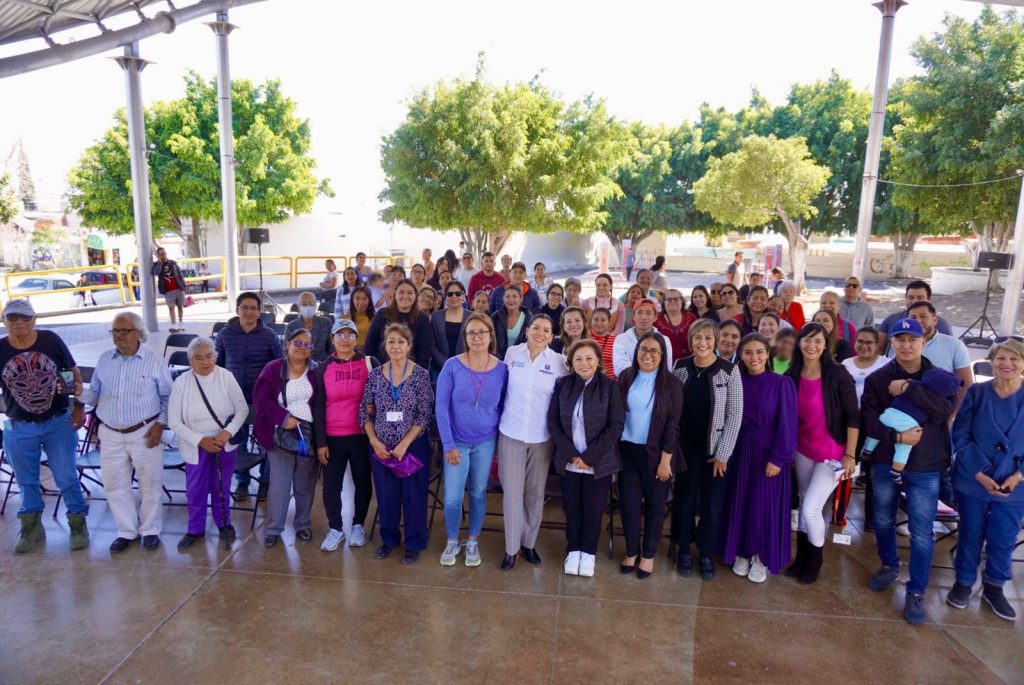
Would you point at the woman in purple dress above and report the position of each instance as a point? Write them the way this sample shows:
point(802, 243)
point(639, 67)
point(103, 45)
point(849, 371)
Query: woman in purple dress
point(756, 518)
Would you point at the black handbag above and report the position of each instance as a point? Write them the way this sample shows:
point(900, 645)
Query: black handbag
point(299, 440)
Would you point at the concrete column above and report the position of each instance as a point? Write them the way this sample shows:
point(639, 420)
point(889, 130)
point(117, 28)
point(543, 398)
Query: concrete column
point(222, 27)
point(133, 65)
point(1011, 300)
point(888, 8)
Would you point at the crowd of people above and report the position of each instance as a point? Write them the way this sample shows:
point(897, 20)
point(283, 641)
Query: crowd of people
point(732, 404)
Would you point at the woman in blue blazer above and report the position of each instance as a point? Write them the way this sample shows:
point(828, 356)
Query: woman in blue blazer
point(989, 439)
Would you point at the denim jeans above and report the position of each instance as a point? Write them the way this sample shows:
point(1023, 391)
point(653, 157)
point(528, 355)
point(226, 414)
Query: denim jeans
point(24, 442)
point(993, 523)
point(922, 490)
point(470, 474)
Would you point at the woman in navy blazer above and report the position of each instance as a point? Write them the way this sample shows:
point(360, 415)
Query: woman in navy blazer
point(989, 438)
point(449, 319)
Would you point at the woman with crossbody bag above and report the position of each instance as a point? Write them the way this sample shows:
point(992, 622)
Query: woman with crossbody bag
point(205, 410)
point(283, 399)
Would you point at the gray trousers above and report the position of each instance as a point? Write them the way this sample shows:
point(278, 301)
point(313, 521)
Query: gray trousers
point(523, 469)
point(289, 474)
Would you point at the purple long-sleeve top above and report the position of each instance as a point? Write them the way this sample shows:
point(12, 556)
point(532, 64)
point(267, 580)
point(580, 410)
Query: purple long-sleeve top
point(414, 405)
point(469, 404)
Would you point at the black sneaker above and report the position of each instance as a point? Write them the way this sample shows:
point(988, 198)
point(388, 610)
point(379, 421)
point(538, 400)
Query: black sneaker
point(707, 568)
point(383, 552)
point(240, 493)
point(958, 596)
point(913, 609)
point(261, 492)
point(150, 542)
point(305, 534)
point(187, 540)
point(271, 541)
point(996, 600)
point(884, 579)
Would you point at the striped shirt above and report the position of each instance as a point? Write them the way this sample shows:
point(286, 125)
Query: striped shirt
point(127, 391)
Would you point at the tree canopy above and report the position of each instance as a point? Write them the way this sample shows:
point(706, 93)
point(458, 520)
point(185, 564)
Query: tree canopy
point(768, 178)
point(8, 203)
point(274, 171)
point(488, 160)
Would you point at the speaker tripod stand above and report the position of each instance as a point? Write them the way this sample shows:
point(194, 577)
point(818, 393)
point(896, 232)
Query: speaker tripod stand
point(982, 340)
point(264, 295)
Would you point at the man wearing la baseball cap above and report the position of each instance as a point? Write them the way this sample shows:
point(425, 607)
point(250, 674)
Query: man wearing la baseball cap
point(644, 313)
point(929, 457)
point(34, 370)
point(340, 381)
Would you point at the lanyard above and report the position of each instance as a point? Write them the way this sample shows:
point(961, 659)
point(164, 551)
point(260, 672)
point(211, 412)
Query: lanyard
point(396, 390)
point(478, 383)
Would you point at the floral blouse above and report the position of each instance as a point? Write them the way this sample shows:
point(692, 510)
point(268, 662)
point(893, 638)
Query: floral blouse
point(415, 404)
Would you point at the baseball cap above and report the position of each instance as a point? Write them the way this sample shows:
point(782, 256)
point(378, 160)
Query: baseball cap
point(342, 324)
point(907, 327)
point(22, 306)
point(646, 302)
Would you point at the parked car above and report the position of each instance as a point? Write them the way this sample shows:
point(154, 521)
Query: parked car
point(64, 296)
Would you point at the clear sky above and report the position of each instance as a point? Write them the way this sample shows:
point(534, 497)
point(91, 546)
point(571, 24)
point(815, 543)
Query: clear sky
point(351, 66)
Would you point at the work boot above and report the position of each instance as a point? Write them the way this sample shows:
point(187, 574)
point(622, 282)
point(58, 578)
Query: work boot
point(79, 531)
point(31, 532)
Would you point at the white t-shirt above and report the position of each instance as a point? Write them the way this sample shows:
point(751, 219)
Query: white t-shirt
point(860, 375)
point(528, 393)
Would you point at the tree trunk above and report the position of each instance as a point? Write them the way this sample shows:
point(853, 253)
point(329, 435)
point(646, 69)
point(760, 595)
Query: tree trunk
point(985, 244)
point(798, 245)
point(498, 240)
point(903, 246)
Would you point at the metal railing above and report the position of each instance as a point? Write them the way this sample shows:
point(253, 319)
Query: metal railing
point(290, 273)
point(133, 283)
point(120, 285)
point(340, 262)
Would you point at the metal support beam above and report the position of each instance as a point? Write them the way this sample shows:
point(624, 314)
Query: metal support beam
point(133, 65)
point(1011, 299)
point(869, 185)
point(229, 223)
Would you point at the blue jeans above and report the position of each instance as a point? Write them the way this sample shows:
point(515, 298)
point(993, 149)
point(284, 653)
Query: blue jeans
point(471, 473)
point(922, 490)
point(24, 442)
point(993, 523)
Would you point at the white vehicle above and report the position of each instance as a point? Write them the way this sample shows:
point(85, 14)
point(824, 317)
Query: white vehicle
point(65, 297)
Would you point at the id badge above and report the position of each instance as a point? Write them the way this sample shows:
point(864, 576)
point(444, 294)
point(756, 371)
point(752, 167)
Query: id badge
point(394, 416)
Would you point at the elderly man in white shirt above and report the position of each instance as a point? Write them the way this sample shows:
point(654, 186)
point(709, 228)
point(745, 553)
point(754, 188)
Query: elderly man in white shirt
point(206, 409)
point(644, 313)
point(524, 443)
point(130, 388)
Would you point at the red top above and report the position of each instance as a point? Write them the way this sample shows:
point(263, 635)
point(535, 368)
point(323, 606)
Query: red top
point(481, 281)
point(795, 315)
point(679, 335)
point(606, 342)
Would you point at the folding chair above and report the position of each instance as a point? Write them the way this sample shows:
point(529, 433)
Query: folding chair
point(178, 340)
point(280, 329)
point(218, 327)
point(268, 317)
point(244, 462)
point(326, 307)
point(178, 363)
point(290, 316)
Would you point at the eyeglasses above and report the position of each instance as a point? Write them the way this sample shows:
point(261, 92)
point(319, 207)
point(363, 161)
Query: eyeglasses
point(852, 286)
point(122, 331)
point(729, 293)
point(204, 357)
point(454, 293)
point(13, 318)
point(716, 292)
point(346, 336)
point(246, 308)
point(649, 352)
point(302, 345)
point(477, 334)
point(673, 299)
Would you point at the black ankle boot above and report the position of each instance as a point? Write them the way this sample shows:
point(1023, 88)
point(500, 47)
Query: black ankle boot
point(796, 569)
point(815, 556)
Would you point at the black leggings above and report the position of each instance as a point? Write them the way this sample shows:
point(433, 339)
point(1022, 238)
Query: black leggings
point(642, 496)
point(347, 450)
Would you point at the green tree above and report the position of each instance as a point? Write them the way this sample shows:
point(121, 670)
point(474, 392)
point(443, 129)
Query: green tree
point(964, 123)
point(274, 172)
point(487, 161)
point(766, 179)
point(8, 203)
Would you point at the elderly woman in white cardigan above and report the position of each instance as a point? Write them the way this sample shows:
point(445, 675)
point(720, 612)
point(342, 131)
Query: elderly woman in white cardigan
point(206, 409)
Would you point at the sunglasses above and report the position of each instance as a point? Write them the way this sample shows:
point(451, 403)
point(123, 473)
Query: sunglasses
point(302, 345)
point(852, 286)
point(455, 293)
point(18, 317)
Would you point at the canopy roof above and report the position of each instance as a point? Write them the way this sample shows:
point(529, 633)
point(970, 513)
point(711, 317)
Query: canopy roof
point(24, 19)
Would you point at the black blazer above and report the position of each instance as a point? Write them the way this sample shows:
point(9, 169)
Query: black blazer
point(663, 434)
point(440, 353)
point(602, 422)
point(500, 319)
point(840, 398)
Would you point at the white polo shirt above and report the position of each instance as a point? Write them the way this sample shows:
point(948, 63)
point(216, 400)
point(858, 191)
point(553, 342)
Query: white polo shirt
point(528, 393)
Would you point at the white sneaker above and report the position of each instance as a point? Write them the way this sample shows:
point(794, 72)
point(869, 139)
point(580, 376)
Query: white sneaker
point(758, 573)
point(357, 536)
point(472, 553)
point(587, 564)
point(572, 563)
point(450, 553)
point(741, 567)
point(903, 529)
point(333, 539)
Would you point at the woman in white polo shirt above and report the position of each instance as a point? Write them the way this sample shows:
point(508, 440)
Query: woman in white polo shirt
point(524, 442)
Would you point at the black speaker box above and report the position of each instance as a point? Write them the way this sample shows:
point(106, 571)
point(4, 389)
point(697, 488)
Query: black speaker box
point(259, 236)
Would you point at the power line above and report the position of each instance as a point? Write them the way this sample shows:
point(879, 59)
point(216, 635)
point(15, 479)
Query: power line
point(951, 185)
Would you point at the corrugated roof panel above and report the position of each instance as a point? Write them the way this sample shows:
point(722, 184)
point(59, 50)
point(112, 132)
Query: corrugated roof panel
point(25, 19)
